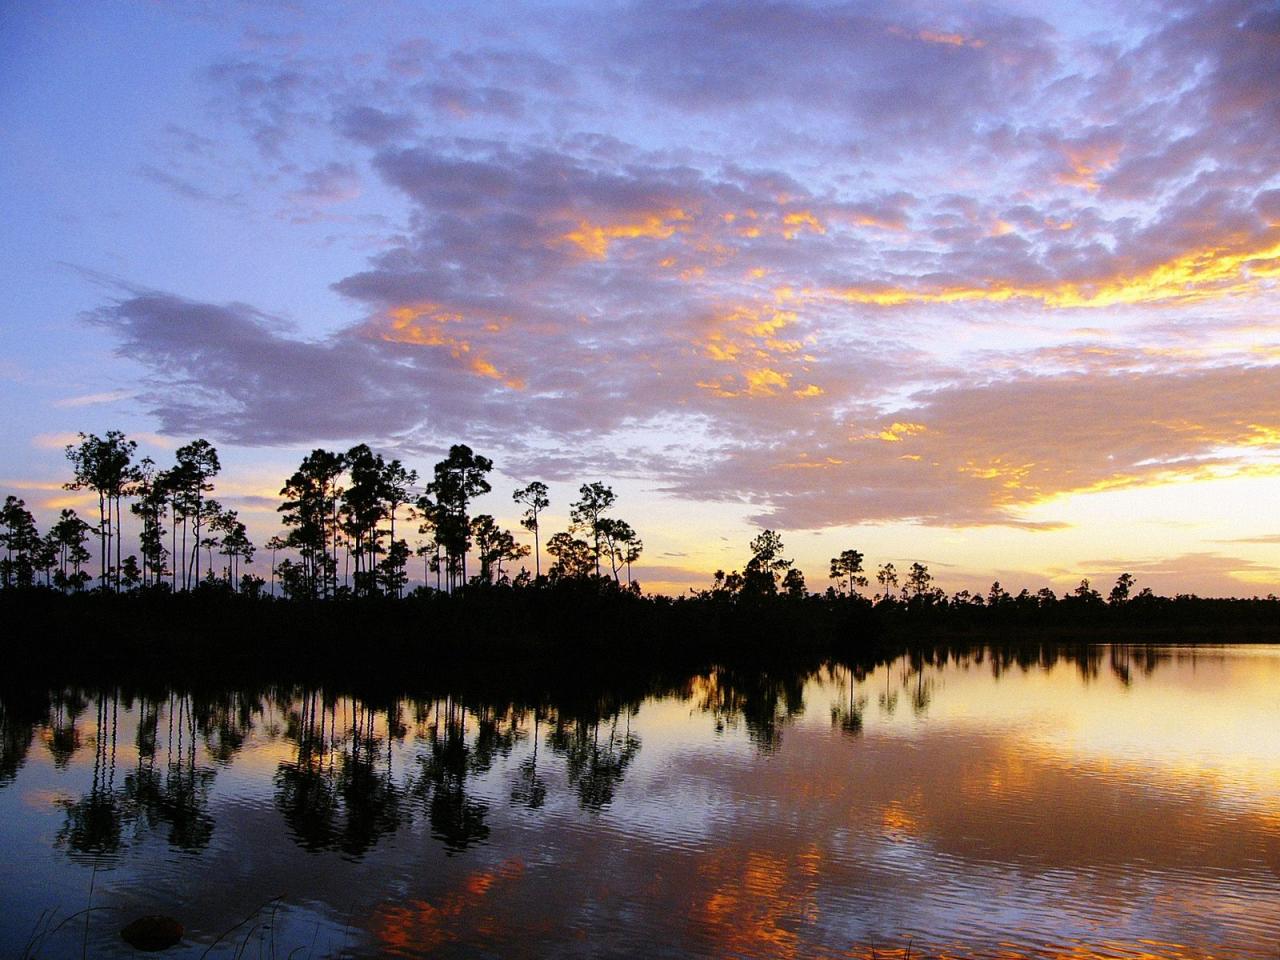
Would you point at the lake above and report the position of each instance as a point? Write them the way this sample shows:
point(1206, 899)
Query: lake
point(1118, 802)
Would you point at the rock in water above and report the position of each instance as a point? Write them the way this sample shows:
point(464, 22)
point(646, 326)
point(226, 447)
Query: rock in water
point(152, 933)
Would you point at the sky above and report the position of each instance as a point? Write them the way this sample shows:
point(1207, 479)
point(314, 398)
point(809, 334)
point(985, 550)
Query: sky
point(993, 287)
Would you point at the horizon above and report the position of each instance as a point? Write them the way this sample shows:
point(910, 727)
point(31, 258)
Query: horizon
point(991, 289)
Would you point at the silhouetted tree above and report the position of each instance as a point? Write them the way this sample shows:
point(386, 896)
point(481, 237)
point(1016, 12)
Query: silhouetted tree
point(573, 559)
point(766, 567)
point(793, 584)
point(275, 544)
point(919, 583)
point(71, 534)
point(495, 547)
point(429, 547)
point(459, 479)
point(151, 507)
point(192, 477)
point(621, 545)
point(104, 465)
point(236, 545)
point(21, 542)
point(364, 506)
point(397, 484)
point(1085, 594)
point(587, 514)
point(535, 499)
point(311, 514)
point(846, 570)
point(1120, 592)
point(887, 578)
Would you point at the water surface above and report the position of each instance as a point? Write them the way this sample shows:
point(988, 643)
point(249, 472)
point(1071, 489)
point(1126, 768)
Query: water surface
point(1091, 802)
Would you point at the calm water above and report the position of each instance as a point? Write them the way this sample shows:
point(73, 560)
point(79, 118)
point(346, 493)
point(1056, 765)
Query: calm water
point(1119, 803)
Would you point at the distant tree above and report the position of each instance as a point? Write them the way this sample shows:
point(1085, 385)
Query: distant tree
point(485, 533)
point(621, 545)
point(197, 465)
point(297, 581)
point(887, 578)
point(458, 479)
point(634, 549)
point(275, 544)
point(725, 586)
point(151, 507)
point(998, 596)
point(397, 486)
point(767, 566)
point(587, 514)
point(573, 557)
point(846, 570)
point(391, 571)
point(793, 584)
point(71, 534)
point(364, 506)
point(428, 515)
point(21, 543)
point(534, 498)
point(507, 550)
point(104, 465)
point(311, 513)
point(236, 545)
point(1120, 592)
point(1086, 594)
point(251, 586)
point(919, 582)
point(495, 547)
point(44, 557)
point(130, 572)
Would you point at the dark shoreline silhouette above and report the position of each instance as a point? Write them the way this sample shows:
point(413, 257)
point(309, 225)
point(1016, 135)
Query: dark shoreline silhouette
point(572, 633)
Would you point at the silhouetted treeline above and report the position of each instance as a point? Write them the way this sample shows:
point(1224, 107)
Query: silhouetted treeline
point(338, 597)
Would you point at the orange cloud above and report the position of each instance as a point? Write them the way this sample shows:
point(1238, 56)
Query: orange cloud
point(424, 325)
point(950, 39)
point(1192, 277)
point(1085, 162)
point(593, 240)
point(792, 223)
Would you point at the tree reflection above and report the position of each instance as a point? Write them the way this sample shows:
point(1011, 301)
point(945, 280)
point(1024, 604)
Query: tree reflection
point(64, 734)
point(350, 780)
point(337, 793)
point(458, 820)
point(846, 714)
point(764, 701)
point(596, 761)
point(94, 823)
point(529, 789)
point(176, 793)
point(20, 712)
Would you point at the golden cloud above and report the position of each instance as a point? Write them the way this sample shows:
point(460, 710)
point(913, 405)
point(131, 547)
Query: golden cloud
point(1192, 277)
point(593, 239)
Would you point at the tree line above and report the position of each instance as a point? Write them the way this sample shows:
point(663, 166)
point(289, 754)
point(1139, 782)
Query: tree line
point(345, 516)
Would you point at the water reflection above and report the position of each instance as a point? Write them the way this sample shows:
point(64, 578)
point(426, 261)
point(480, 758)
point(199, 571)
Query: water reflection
point(978, 802)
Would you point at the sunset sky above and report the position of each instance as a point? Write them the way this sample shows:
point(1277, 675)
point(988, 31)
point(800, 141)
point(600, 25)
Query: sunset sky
point(993, 287)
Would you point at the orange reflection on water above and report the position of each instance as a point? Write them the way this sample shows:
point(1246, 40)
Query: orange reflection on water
point(463, 914)
point(1146, 950)
point(757, 905)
